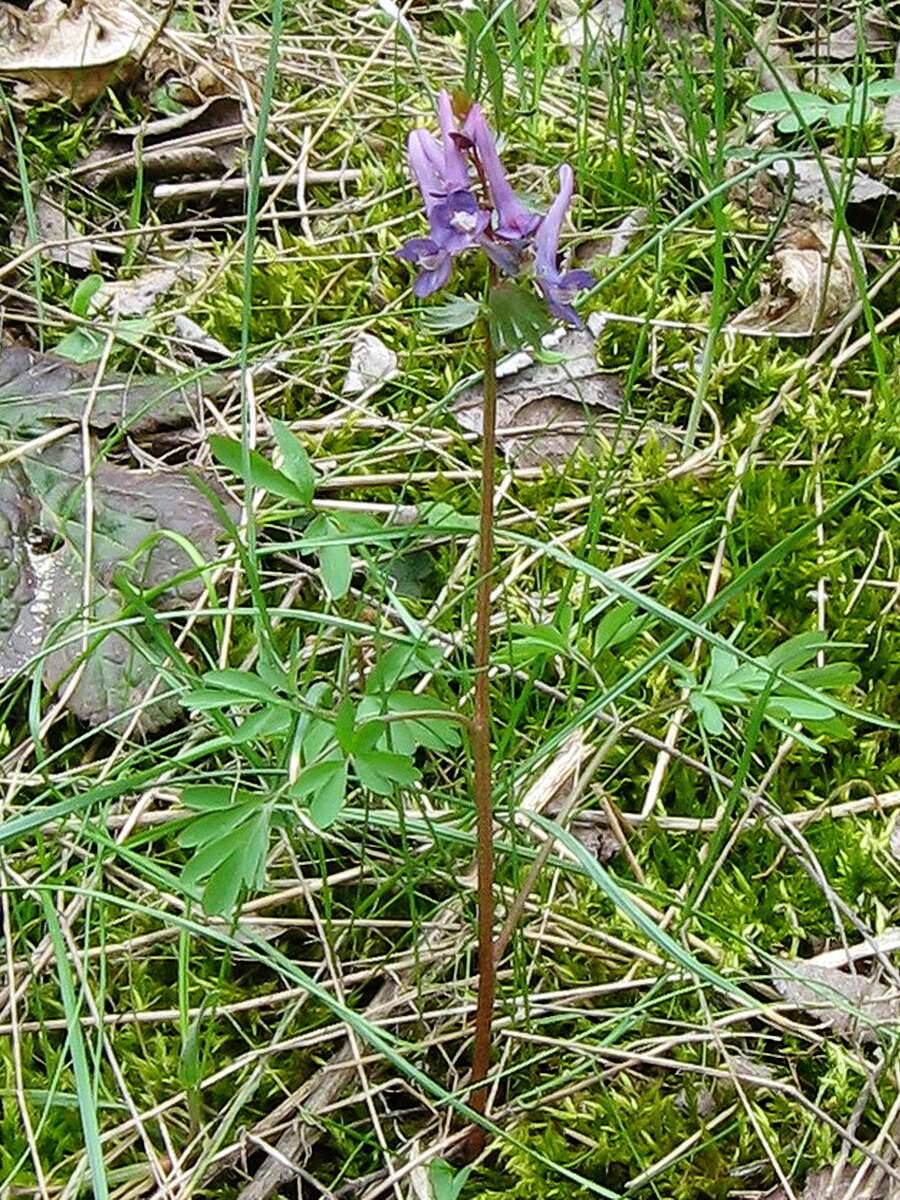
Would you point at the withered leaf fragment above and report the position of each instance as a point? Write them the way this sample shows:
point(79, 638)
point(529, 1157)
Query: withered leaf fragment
point(65, 599)
point(854, 1006)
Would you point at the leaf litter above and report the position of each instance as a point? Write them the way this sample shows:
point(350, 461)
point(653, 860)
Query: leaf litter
point(71, 52)
point(140, 524)
point(853, 1006)
point(549, 410)
point(810, 284)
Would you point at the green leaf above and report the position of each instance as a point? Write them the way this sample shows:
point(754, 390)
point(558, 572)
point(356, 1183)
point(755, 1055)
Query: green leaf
point(326, 783)
point(84, 294)
point(206, 796)
point(262, 726)
point(345, 724)
point(517, 318)
point(209, 828)
point(446, 1184)
point(710, 714)
point(229, 859)
point(884, 87)
point(297, 466)
point(335, 559)
point(830, 677)
point(798, 708)
point(208, 699)
point(797, 650)
point(404, 737)
point(399, 662)
point(840, 115)
point(457, 313)
point(839, 83)
point(245, 685)
point(329, 801)
point(223, 885)
point(80, 345)
point(382, 772)
point(229, 452)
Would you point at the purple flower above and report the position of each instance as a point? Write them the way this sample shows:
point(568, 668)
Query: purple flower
point(513, 222)
point(558, 289)
point(456, 219)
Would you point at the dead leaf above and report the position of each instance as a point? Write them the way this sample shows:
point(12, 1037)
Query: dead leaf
point(591, 828)
point(207, 141)
point(854, 1006)
point(36, 388)
point(824, 1184)
point(603, 22)
point(74, 51)
point(52, 225)
point(194, 339)
point(770, 59)
point(133, 297)
point(807, 183)
point(845, 43)
point(545, 413)
point(810, 284)
point(372, 364)
point(890, 115)
point(140, 522)
point(614, 243)
point(133, 515)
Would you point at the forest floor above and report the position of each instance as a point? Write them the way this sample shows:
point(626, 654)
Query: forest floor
point(238, 931)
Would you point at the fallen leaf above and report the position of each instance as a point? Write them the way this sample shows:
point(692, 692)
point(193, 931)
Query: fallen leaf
point(73, 51)
point(372, 364)
point(206, 141)
point(546, 412)
point(890, 114)
point(824, 1184)
point(854, 1006)
point(36, 388)
point(140, 525)
point(615, 242)
point(868, 34)
point(807, 183)
point(52, 225)
point(134, 297)
point(810, 284)
point(194, 339)
point(770, 59)
point(603, 22)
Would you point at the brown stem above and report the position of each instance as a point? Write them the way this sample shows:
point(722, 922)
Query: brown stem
point(481, 753)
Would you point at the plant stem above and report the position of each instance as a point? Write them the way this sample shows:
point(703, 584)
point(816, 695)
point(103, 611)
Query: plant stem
point(481, 751)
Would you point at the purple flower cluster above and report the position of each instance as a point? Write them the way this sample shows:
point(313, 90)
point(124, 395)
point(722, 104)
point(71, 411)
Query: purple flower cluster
point(502, 227)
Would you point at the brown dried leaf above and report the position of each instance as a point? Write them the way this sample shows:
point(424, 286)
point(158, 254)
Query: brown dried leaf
point(807, 183)
point(824, 1184)
point(810, 284)
point(53, 226)
point(36, 388)
point(591, 828)
point(206, 142)
point(844, 43)
point(73, 51)
point(854, 1006)
point(547, 412)
point(775, 70)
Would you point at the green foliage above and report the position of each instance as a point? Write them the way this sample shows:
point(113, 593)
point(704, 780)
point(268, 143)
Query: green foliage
point(731, 682)
point(229, 837)
point(516, 316)
point(857, 105)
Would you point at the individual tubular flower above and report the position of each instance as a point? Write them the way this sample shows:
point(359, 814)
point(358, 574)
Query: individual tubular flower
point(513, 222)
point(558, 289)
point(455, 217)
